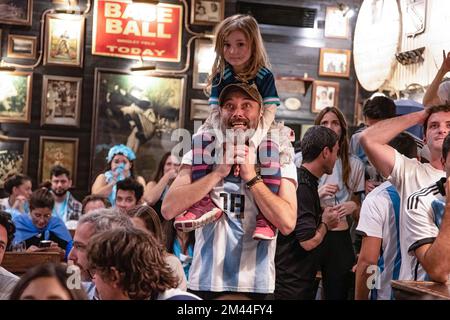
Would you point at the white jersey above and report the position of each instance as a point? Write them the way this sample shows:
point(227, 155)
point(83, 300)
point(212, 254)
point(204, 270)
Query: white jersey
point(226, 257)
point(425, 209)
point(380, 218)
point(356, 179)
point(408, 176)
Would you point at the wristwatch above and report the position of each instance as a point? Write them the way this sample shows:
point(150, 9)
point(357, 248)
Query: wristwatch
point(254, 181)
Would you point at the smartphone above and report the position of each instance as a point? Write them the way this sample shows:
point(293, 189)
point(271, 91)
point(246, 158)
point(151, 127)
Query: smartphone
point(45, 244)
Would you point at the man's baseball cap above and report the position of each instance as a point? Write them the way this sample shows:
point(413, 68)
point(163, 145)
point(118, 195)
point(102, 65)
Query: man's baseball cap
point(250, 90)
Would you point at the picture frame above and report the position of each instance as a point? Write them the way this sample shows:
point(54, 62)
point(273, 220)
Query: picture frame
point(305, 128)
point(141, 111)
point(57, 151)
point(207, 12)
point(64, 40)
point(334, 62)
point(15, 101)
point(23, 47)
point(199, 109)
point(61, 101)
point(324, 94)
point(17, 12)
point(337, 24)
point(204, 56)
point(13, 156)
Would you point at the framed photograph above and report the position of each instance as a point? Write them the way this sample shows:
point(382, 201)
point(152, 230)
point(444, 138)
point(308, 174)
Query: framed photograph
point(17, 12)
point(57, 151)
point(64, 40)
point(334, 62)
point(15, 96)
point(325, 94)
point(13, 156)
point(61, 101)
point(305, 128)
point(337, 24)
point(140, 111)
point(207, 12)
point(203, 60)
point(23, 47)
point(199, 109)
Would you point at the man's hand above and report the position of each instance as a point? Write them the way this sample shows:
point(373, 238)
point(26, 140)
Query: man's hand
point(225, 162)
point(345, 208)
point(330, 217)
point(246, 156)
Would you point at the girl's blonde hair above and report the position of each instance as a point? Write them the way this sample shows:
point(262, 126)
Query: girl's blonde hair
point(249, 27)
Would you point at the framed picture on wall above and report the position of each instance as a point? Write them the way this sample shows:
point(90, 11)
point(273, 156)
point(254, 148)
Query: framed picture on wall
point(207, 12)
point(61, 101)
point(15, 100)
point(203, 60)
point(13, 156)
point(305, 128)
point(18, 12)
point(23, 47)
point(57, 151)
point(140, 111)
point(64, 43)
point(325, 94)
point(199, 109)
point(337, 24)
point(334, 62)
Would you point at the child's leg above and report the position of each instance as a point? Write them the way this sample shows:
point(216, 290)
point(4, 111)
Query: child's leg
point(204, 211)
point(270, 172)
point(264, 124)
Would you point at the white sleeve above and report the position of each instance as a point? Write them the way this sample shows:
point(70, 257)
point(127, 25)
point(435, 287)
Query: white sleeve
point(289, 171)
point(404, 168)
point(420, 226)
point(357, 175)
point(372, 215)
point(187, 158)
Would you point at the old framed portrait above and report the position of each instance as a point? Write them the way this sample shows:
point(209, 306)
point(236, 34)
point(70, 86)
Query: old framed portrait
point(17, 12)
point(140, 111)
point(337, 24)
point(61, 101)
point(64, 40)
point(203, 61)
point(325, 94)
point(334, 62)
point(199, 109)
point(207, 12)
point(23, 47)
point(13, 156)
point(57, 151)
point(15, 96)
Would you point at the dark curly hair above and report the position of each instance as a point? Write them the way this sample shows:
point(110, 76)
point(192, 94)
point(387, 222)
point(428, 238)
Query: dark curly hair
point(138, 258)
point(6, 221)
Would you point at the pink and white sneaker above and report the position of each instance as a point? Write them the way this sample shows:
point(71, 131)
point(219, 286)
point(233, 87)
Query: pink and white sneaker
point(200, 214)
point(264, 230)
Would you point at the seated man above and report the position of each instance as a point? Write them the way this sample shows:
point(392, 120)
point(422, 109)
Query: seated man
point(41, 225)
point(134, 270)
point(94, 201)
point(129, 194)
point(7, 279)
point(427, 229)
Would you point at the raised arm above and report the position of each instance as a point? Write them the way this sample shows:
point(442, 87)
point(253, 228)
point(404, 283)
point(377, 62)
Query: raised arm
point(154, 190)
point(431, 97)
point(375, 139)
point(101, 187)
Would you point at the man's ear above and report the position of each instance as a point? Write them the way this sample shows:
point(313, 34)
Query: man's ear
point(326, 152)
point(115, 277)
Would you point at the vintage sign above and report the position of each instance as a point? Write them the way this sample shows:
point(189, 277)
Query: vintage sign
point(135, 31)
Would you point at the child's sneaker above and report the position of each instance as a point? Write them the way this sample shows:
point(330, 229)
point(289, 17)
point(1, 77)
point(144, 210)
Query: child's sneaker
point(264, 230)
point(200, 214)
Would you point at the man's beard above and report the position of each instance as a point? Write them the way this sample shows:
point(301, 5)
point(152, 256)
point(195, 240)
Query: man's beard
point(60, 193)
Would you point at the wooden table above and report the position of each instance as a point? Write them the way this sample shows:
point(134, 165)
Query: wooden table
point(19, 262)
point(420, 290)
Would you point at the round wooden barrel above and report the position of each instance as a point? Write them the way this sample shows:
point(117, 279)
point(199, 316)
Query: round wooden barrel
point(376, 41)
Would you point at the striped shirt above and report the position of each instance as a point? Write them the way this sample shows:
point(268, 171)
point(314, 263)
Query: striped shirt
point(264, 81)
point(380, 218)
point(408, 176)
point(226, 258)
point(425, 209)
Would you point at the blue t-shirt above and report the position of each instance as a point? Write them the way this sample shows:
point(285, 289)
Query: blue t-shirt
point(264, 81)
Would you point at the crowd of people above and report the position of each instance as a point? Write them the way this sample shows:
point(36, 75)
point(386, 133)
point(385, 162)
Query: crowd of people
point(236, 218)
